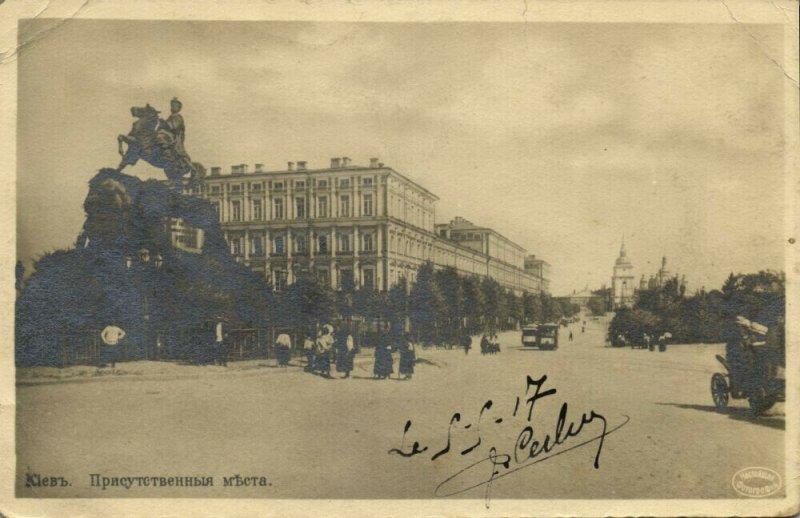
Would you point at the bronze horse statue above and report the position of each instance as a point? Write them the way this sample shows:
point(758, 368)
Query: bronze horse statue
point(151, 140)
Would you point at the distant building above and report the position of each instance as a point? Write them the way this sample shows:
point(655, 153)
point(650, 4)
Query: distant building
point(507, 263)
point(661, 277)
point(539, 269)
point(361, 226)
point(622, 281)
point(580, 298)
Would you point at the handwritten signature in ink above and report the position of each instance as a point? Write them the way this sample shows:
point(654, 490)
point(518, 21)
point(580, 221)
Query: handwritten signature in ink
point(528, 449)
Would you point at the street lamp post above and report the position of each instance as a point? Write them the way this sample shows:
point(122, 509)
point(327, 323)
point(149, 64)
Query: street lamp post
point(142, 272)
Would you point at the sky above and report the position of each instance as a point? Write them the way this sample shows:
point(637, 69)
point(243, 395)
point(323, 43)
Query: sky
point(564, 137)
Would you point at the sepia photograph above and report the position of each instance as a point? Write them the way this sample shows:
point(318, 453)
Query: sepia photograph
point(371, 261)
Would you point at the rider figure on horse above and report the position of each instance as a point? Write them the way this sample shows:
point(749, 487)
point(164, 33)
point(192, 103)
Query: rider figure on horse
point(172, 132)
point(158, 142)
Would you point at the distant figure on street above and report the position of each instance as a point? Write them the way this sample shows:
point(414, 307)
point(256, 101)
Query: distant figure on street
point(662, 343)
point(466, 343)
point(583, 328)
point(484, 344)
point(570, 336)
point(112, 335)
point(384, 364)
point(345, 350)
point(218, 351)
point(494, 344)
point(408, 356)
point(323, 351)
point(308, 347)
point(283, 348)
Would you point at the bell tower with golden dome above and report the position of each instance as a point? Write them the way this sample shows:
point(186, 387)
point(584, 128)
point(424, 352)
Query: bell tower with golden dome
point(623, 281)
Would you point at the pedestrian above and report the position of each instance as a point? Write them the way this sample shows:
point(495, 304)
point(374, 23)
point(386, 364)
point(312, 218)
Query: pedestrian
point(570, 336)
point(308, 347)
point(283, 348)
point(583, 329)
point(495, 344)
point(219, 357)
point(112, 336)
point(662, 343)
point(384, 364)
point(484, 344)
point(466, 342)
point(345, 349)
point(408, 356)
point(323, 351)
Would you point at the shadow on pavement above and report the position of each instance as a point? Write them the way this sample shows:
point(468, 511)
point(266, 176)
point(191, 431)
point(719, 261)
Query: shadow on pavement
point(739, 414)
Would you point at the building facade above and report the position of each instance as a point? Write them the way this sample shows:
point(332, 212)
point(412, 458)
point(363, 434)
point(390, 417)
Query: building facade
point(359, 226)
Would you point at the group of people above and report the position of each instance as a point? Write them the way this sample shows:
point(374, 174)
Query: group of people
point(329, 348)
point(384, 362)
point(490, 344)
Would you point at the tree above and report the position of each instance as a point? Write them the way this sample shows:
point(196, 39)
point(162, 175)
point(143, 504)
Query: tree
point(307, 302)
point(632, 324)
point(496, 308)
point(397, 305)
point(596, 305)
point(474, 303)
point(515, 309)
point(427, 305)
point(449, 285)
point(532, 308)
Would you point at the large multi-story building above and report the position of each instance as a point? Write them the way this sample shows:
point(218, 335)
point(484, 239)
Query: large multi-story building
point(361, 226)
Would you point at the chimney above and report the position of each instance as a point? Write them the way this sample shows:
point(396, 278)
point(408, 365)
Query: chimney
point(235, 169)
point(259, 168)
point(373, 163)
point(336, 163)
point(345, 161)
point(301, 165)
point(380, 164)
point(291, 166)
point(215, 171)
point(243, 168)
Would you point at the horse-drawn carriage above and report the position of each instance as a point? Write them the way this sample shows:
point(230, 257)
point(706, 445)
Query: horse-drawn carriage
point(755, 362)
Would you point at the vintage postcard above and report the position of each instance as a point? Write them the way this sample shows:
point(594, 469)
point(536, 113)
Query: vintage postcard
point(398, 259)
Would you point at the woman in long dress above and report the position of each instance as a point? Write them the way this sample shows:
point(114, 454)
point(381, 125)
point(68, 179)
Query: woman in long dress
point(324, 348)
point(344, 355)
point(308, 348)
point(408, 357)
point(384, 364)
point(283, 347)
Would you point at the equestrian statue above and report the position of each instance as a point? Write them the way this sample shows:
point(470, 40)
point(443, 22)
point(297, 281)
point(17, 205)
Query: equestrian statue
point(159, 142)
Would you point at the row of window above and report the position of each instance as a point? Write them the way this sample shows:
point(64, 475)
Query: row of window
point(344, 183)
point(346, 279)
point(300, 212)
point(300, 244)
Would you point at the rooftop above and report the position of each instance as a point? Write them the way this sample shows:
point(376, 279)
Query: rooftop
point(300, 169)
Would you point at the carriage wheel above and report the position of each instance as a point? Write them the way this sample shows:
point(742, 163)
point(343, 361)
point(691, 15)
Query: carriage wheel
point(719, 391)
